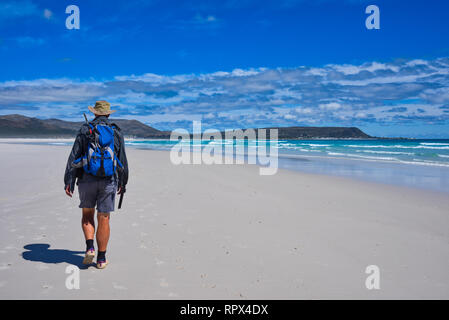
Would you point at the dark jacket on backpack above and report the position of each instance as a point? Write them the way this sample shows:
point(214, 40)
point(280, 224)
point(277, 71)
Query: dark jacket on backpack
point(80, 148)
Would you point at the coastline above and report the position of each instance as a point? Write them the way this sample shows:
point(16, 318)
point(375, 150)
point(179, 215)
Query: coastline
point(361, 165)
point(221, 232)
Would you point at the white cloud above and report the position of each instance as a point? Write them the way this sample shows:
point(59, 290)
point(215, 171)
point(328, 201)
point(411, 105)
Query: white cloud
point(204, 19)
point(348, 69)
point(440, 95)
point(243, 73)
point(156, 79)
point(48, 14)
point(416, 62)
point(330, 106)
point(316, 72)
point(304, 110)
point(360, 115)
point(29, 41)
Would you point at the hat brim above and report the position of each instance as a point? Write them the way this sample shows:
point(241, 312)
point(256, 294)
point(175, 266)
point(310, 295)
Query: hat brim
point(92, 109)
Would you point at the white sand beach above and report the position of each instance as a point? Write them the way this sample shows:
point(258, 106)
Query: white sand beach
point(220, 232)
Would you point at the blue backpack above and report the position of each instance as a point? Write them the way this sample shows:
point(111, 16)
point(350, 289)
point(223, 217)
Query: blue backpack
point(100, 159)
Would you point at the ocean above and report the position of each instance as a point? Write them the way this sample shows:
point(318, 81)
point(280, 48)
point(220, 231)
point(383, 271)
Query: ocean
point(413, 163)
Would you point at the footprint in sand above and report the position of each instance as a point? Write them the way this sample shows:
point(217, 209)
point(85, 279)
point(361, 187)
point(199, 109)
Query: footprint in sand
point(42, 267)
point(118, 287)
point(163, 283)
point(5, 266)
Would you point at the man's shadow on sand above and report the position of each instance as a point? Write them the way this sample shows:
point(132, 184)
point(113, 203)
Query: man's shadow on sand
point(41, 252)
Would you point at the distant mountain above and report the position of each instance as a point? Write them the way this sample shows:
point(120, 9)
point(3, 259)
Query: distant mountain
point(15, 125)
point(321, 132)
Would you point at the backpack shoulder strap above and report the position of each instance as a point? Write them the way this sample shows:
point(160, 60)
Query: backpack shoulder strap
point(115, 126)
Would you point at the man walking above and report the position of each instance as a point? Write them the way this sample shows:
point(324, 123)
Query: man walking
point(98, 161)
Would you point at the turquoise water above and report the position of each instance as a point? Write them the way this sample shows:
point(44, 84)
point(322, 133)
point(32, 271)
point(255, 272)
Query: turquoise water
point(418, 152)
point(413, 163)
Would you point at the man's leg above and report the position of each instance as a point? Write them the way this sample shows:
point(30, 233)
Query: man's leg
point(88, 225)
point(105, 205)
point(102, 236)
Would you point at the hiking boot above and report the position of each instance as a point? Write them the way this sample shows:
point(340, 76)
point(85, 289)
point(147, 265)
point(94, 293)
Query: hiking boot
point(89, 257)
point(101, 264)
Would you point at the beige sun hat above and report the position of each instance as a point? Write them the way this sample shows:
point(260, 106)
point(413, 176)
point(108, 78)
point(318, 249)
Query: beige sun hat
point(102, 108)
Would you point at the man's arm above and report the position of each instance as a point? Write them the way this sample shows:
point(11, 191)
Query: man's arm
point(70, 172)
point(121, 154)
point(122, 157)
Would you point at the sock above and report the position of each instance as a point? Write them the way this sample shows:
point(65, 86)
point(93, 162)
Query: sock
point(89, 244)
point(101, 256)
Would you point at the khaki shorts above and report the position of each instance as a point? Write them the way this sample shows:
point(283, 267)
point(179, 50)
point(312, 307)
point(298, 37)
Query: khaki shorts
point(99, 192)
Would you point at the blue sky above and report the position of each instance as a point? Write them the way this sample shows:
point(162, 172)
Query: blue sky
point(232, 63)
